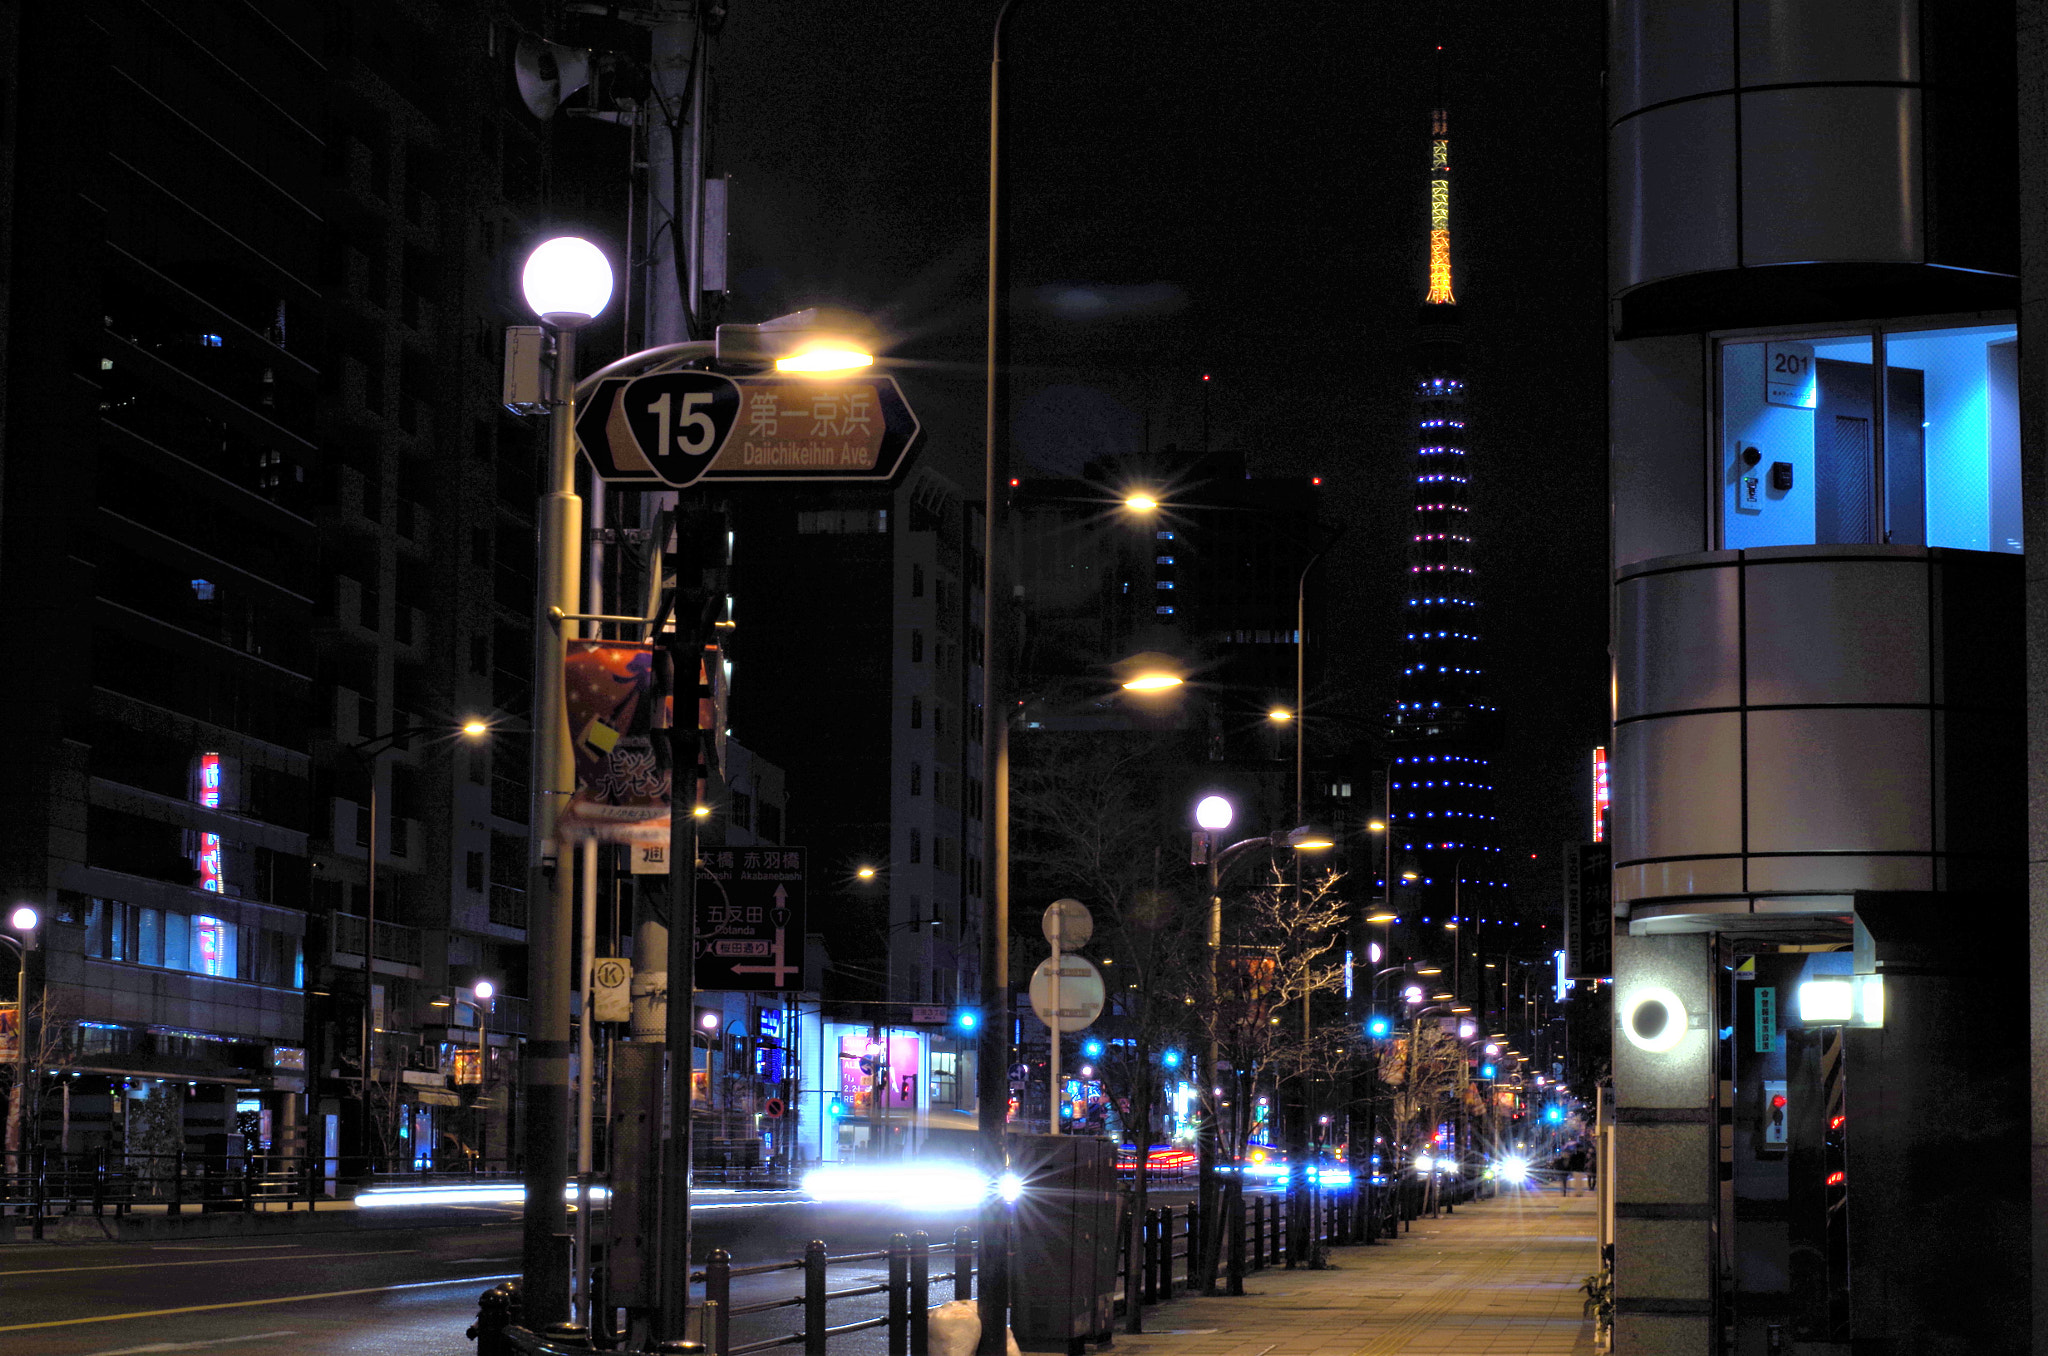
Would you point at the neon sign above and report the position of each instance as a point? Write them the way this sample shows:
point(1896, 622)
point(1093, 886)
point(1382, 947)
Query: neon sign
point(1602, 795)
point(209, 843)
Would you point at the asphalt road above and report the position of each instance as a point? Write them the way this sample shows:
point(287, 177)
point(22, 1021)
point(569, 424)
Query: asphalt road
point(397, 1291)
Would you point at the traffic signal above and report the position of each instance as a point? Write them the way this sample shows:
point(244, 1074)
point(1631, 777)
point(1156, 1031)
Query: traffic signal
point(1379, 1026)
point(966, 1021)
point(1486, 1071)
point(1554, 1114)
point(1171, 1059)
point(835, 1108)
point(1092, 1048)
point(1776, 1114)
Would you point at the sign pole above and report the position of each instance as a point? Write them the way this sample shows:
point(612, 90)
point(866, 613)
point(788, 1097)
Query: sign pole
point(1059, 960)
point(673, 1295)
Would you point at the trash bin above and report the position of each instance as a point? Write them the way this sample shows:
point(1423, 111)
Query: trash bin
point(1063, 1280)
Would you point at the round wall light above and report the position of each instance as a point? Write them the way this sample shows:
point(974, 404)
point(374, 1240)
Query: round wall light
point(1654, 1019)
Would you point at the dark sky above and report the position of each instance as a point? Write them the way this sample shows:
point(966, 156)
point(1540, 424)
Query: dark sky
point(1239, 190)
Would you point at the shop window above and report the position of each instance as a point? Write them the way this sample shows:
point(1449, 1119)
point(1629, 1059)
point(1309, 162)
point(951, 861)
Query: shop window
point(1909, 437)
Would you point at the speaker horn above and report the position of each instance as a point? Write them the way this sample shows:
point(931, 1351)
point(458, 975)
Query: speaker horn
point(547, 73)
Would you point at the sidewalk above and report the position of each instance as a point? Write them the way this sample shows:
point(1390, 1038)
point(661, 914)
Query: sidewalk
point(1499, 1278)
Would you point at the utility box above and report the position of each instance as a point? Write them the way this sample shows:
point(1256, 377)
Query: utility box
point(526, 348)
point(1063, 1278)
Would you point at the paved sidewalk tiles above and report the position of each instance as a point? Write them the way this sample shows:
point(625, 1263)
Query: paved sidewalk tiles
point(1498, 1278)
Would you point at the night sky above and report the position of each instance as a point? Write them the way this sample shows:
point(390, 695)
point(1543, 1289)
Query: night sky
point(1238, 190)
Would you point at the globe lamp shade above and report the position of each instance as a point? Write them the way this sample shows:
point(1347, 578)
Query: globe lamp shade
point(567, 281)
point(483, 990)
point(24, 918)
point(1213, 813)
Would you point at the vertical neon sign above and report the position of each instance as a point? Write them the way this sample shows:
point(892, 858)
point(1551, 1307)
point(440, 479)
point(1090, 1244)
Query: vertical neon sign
point(209, 843)
point(1601, 795)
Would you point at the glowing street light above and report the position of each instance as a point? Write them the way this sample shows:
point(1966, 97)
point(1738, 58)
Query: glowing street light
point(567, 282)
point(1152, 682)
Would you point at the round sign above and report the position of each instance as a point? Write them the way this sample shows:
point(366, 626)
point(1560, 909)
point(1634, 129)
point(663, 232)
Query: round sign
point(772, 1108)
point(1068, 925)
point(1082, 992)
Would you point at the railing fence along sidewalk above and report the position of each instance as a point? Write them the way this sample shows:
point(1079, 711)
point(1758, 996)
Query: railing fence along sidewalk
point(1166, 1265)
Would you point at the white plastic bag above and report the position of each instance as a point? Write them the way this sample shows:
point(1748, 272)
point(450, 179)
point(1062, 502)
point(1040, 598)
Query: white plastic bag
point(956, 1330)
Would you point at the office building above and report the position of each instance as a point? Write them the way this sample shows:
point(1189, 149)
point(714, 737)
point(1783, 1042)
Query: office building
point(1820, 747)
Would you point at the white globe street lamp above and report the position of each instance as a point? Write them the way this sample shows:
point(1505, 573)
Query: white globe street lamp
point(1214, 813)
point(567, 282)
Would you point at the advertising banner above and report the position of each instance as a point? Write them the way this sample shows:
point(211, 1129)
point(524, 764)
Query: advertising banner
point(622, 787)
point(1588, 911)
point(10, 1032)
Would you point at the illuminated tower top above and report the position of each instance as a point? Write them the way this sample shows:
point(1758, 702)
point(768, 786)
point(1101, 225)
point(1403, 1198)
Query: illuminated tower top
point(1440, 211)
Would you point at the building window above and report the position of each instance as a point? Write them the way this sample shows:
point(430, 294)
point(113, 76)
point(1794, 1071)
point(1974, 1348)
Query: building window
point(917, 713)
point(916, 645)
point(917, 779)
point(473, 871)
point(916, 846)
point(1907, 436)
point(917, 581)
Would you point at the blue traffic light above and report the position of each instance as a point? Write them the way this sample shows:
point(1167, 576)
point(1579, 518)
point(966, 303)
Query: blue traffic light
point(1171, 1059)
point(1378, 1026)
point(1486, 1071)
point(1554, 1114)
point(835, 1108)
point(967, 1019)
point(1092, 1049)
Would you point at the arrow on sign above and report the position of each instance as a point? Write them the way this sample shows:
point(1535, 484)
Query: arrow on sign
point(780, 971)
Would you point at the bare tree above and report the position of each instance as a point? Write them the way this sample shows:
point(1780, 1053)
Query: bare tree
point(1088, 823)
point(1425, 1081)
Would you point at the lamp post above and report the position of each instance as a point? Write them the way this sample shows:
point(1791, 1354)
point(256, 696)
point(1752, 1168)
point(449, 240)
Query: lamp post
point(1214, 815)
point(483, 991)
point(367, 752)
point(567, 282)
point(20, 1130)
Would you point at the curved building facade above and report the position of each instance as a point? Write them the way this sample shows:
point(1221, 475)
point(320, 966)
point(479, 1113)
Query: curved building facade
point(1819, 773)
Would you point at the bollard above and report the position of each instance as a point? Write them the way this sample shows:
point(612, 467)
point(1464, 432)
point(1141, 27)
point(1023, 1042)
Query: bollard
point(567, 1337)
point(1166, 1223)
point(920, 1292)
point(718, 1301)
point(1236, 1285)
point(495, 1311)
point(963, 1263)
point(1258, 1211)
point(899, 1285)
point(1149, 1274)
point(814, 1298)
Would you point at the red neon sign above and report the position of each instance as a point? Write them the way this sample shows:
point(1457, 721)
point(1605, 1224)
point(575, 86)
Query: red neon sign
point(1601, 795)
point(209, 843)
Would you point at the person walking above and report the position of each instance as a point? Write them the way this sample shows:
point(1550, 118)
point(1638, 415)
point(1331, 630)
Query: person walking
point(1576, 1163)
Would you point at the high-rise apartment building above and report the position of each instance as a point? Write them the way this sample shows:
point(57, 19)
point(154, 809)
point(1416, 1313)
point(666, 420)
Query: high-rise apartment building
point(260, 499)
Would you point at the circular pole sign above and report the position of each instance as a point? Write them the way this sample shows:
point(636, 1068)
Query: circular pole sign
point(1068, 925)
point(1081, 992)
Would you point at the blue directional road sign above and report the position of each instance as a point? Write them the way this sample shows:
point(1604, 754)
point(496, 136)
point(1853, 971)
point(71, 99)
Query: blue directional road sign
point(750, 919)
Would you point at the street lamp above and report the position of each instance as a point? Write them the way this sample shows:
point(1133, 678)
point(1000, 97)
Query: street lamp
point(367, 752)
point(567, 282)
point(1214, 814)
point(24, 920)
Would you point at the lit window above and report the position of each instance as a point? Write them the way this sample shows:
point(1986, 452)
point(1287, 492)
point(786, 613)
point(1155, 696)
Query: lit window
point(1910, 437)
point(1164, 536)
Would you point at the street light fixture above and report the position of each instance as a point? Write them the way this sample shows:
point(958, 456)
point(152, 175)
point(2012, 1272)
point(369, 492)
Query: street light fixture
point(1142, 503)
point(24, 919)
point(1152, 682)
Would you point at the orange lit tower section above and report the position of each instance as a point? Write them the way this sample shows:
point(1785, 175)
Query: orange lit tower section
point(1442, 728)
point(1440, 211)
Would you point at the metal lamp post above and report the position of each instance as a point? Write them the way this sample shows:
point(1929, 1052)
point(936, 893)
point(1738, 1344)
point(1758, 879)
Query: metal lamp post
point(567, 282)
point(367, 751)
point(24, 920)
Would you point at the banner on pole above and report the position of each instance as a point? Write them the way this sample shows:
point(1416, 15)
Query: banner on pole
point(10, 1032)
point(622, 786)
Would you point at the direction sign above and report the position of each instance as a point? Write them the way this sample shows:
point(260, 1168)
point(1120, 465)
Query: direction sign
point(677, 428)
point(1082, 992)
point(750, 919)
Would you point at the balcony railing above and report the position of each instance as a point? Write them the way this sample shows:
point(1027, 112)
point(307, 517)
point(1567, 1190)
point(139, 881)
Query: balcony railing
point(395, 942)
